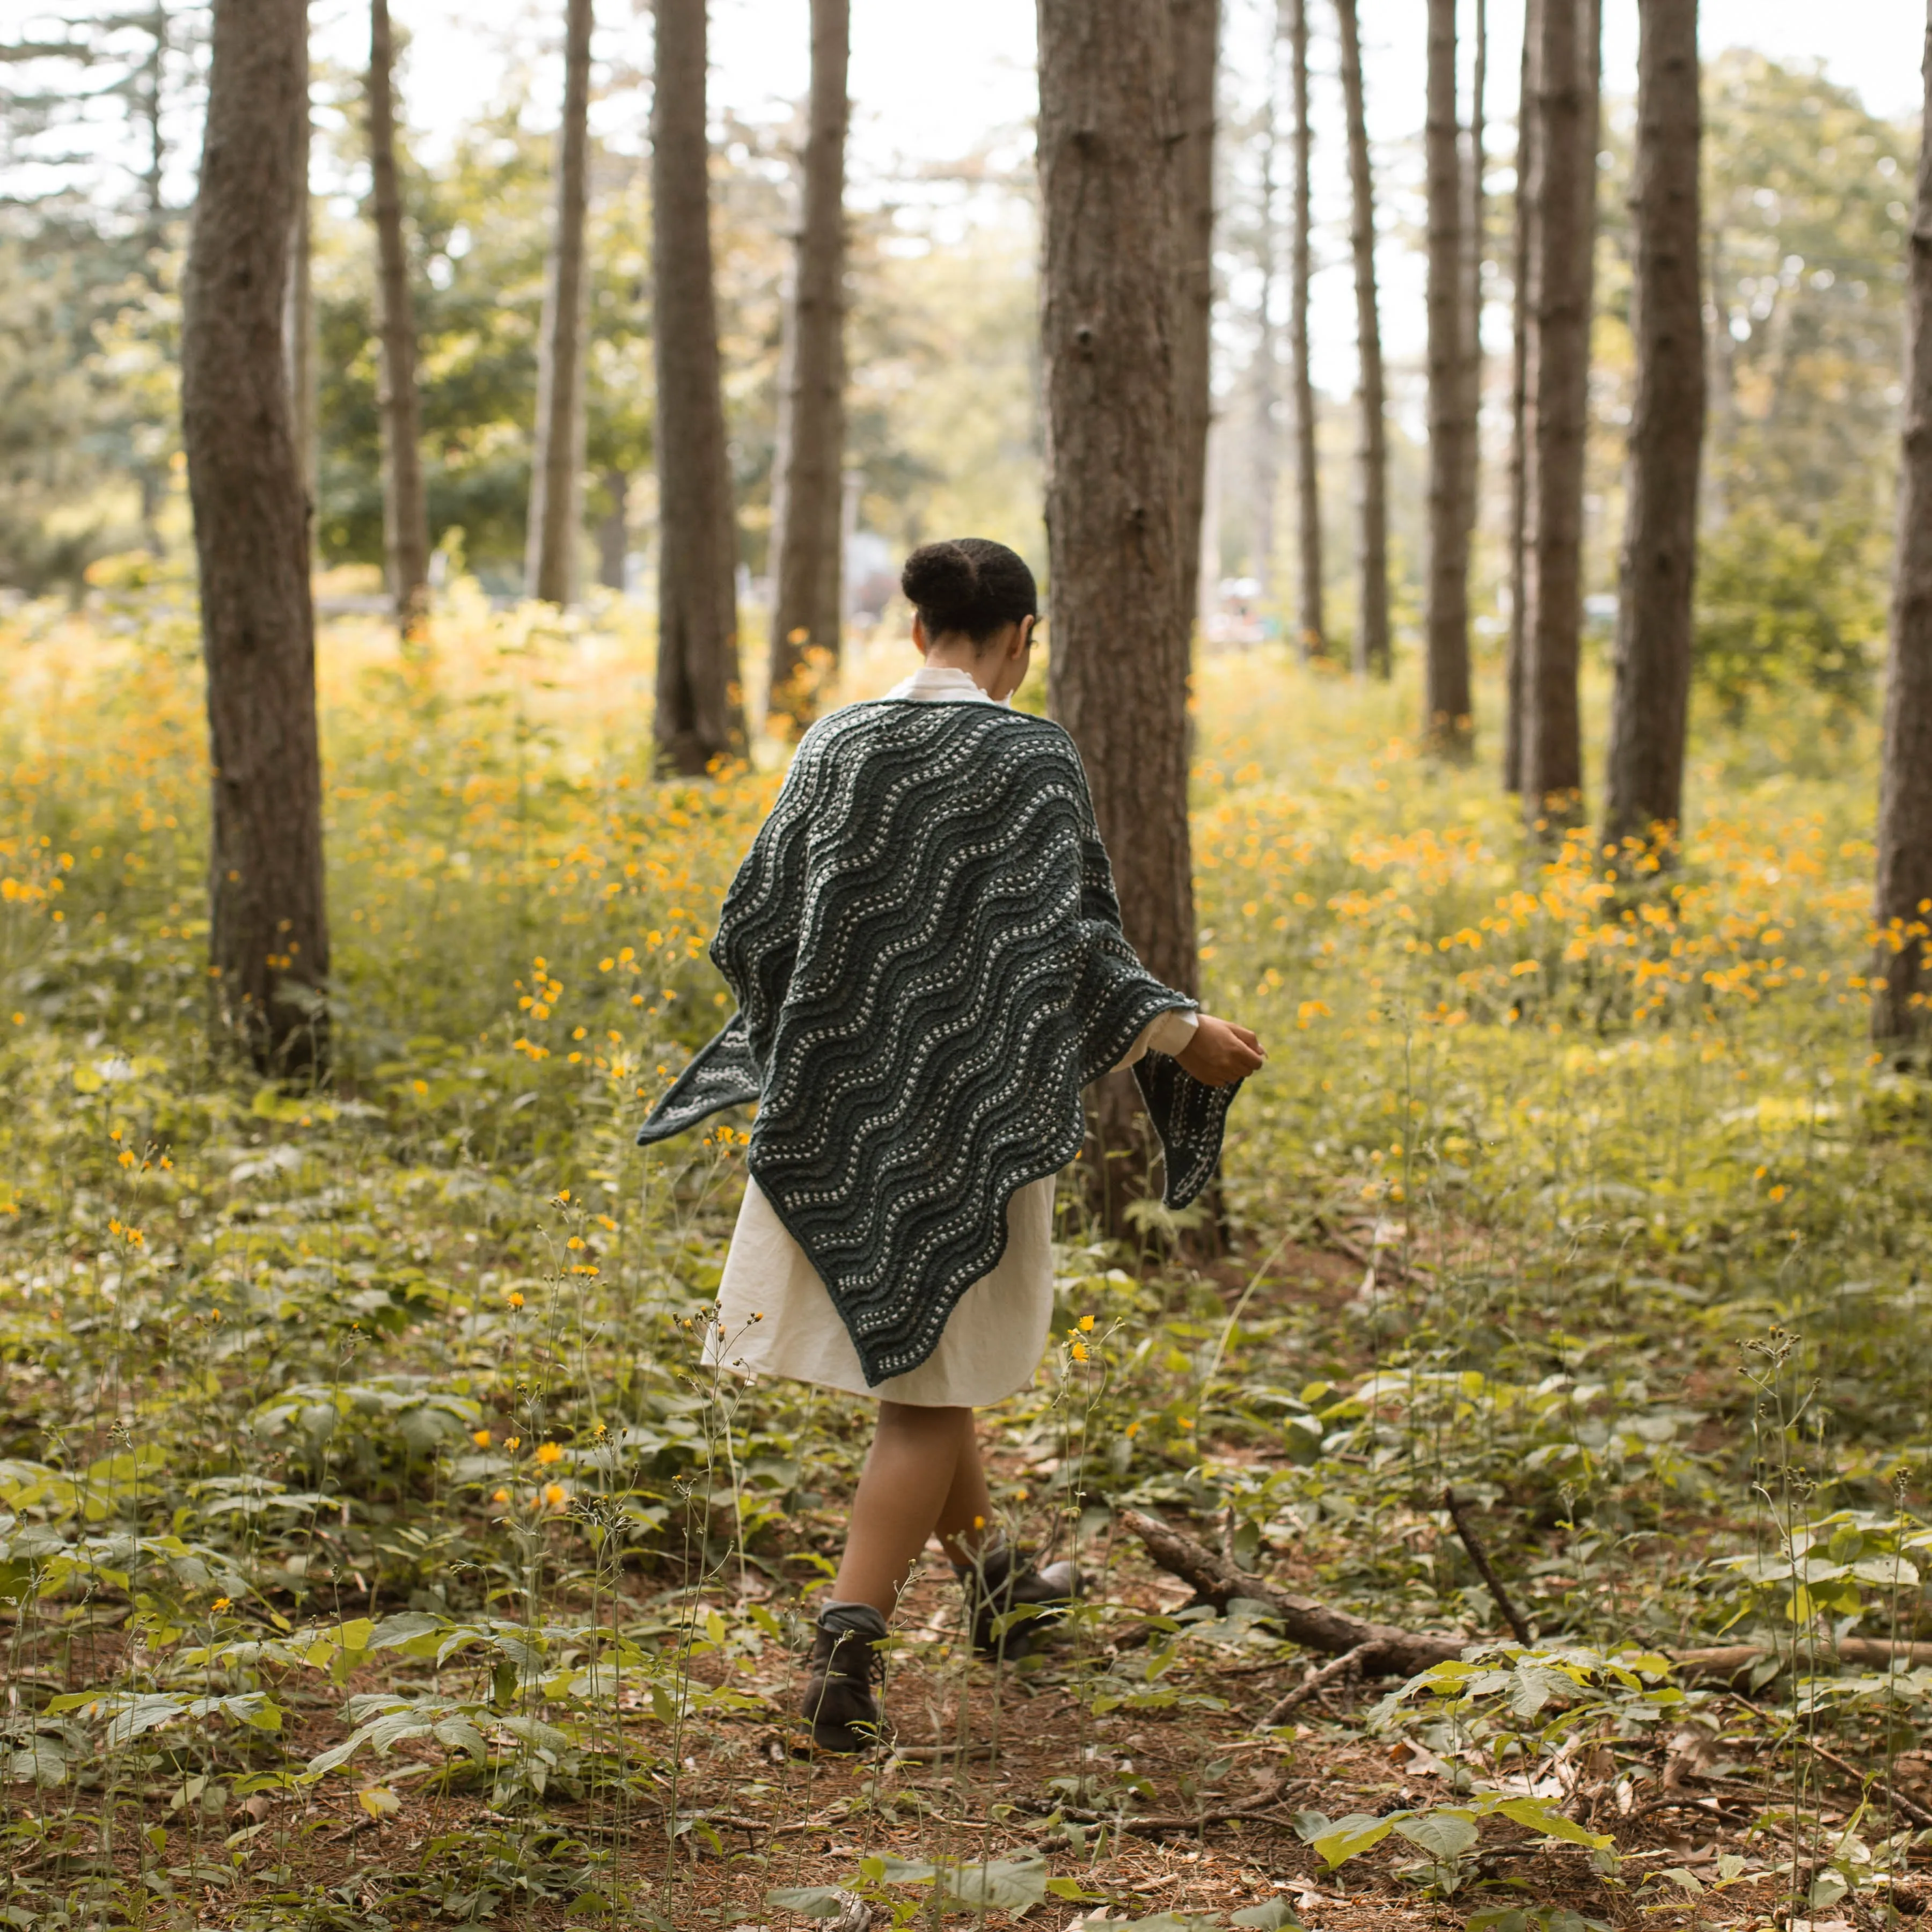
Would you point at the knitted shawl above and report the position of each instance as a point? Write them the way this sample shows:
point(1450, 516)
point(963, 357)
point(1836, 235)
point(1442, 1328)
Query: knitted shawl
point(925, 948)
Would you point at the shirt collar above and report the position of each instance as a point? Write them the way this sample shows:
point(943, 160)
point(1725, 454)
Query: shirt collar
point(942, 683)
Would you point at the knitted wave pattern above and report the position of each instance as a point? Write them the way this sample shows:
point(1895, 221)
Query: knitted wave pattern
point(926, 947)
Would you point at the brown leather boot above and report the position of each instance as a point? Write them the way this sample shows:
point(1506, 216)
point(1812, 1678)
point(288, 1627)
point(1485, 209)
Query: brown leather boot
point(1003, 1580)
point(847, 1661)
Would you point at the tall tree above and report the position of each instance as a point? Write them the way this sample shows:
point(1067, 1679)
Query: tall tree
point(298, 322)
point(1446, 707)
point(1475, 238)
point(405, 512)
point(1562, 189)
point(1310, 630)
point(1524, 212)
point(1373, 651)
point(1265, 370)
point(268, 933)
point(1903, 910)
point(1197, 37)
point(557, 466)
point(807, 612)
point(699, 714)
point(1643, 779)
point(1109, 204)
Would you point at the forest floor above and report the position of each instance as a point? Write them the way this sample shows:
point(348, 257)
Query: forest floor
point(374, 1551)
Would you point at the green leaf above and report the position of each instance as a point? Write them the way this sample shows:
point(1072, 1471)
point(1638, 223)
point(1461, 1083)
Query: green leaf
point(1538, 1816)
point(1349, 1837)
point(1444, 1835)
point(809, 1901)
point(1011, 1885)
point(1272, 1917)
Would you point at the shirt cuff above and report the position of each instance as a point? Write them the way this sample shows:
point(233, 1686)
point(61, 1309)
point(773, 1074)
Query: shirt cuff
point(1166, 1032)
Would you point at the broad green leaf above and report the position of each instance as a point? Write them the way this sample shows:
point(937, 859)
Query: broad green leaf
point(810, 1901)
point(1349, 1837)
point(1012, 1885)
point(1538, 1816)
point(1444, 1835)
point(1272, 1917)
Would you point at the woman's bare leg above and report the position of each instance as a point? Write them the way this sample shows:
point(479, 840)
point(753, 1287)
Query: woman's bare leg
point(923, 1473)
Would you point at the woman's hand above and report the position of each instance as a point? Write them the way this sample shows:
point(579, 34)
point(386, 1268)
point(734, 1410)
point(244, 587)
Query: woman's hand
point(1220, 1053)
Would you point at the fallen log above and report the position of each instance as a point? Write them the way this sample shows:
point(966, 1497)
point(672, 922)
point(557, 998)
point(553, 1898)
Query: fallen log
point(1379, 1650)
point(1722, 1663)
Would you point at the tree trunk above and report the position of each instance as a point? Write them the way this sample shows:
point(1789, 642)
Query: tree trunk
point(699, 713)
point(405, 516)
point(1518, 559)
point(1372, 651)
point(1904, 971)
point(1197, 35)
point(1563, 184)
point(268, 934)
point(1118, 675)
point(614, 531)
point(807, 611)
point(1446, 705)
point(1311, 631)
point(1643, 779)
point(298, 344)
point(1265, 466)
point(556, 462)
point(1475, 237)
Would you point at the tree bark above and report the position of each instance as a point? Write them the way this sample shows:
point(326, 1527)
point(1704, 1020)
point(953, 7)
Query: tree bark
point(1372, 650)
point(808, 628)
point(699, 713)
point(1311, 629)
point(1521, 248)
point(405, 515)
point(1265, 464)
point(298, 344)
point(614, 531)
point(1446, 707)
point(1904, 899)
point(1643, 778)
point(1197, 37)
point(1119, 671)
point(268, 937)
point(1475, 237)
point(1563, 183)
point(557, 464)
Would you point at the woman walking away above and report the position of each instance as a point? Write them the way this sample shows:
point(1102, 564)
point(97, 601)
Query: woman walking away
point(926, 952)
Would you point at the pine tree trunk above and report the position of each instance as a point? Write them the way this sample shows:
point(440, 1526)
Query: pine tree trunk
point(1446, 705)
point(1373, 651)
point(1119, 671)
point(613, 531)
point(1563, 185)
point(298, 343)
point(807, 626)
point(1903, 910)
point(556, 462)
point(1311, 629)
point(1643, 778)
point(1197, 34)
point(1266, 461)
point(1475, 238)
point(268, 937)
point(699, 713)
point(405, 515)
point(1522, 249)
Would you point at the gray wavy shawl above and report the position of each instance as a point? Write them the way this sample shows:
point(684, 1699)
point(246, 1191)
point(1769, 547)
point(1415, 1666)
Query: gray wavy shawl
point(926, 952)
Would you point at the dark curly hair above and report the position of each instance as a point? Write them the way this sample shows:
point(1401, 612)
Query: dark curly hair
point(969, 585)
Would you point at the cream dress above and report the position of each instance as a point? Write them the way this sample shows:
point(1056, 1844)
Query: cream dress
point(997, 1332)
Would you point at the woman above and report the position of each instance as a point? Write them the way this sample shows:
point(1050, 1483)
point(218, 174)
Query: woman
point(926, 952)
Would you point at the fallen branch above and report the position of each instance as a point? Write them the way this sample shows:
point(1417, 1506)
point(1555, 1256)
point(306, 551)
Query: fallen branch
point(1459, 1515)
point(1348, 1664)
point(1867, 1785)
point(1380, 1650)
point(1720, 1664)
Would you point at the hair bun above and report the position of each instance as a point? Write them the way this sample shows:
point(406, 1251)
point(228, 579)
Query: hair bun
point(970, 587)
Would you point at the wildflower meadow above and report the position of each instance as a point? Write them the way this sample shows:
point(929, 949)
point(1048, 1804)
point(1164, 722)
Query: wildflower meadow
point(375, 1549)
